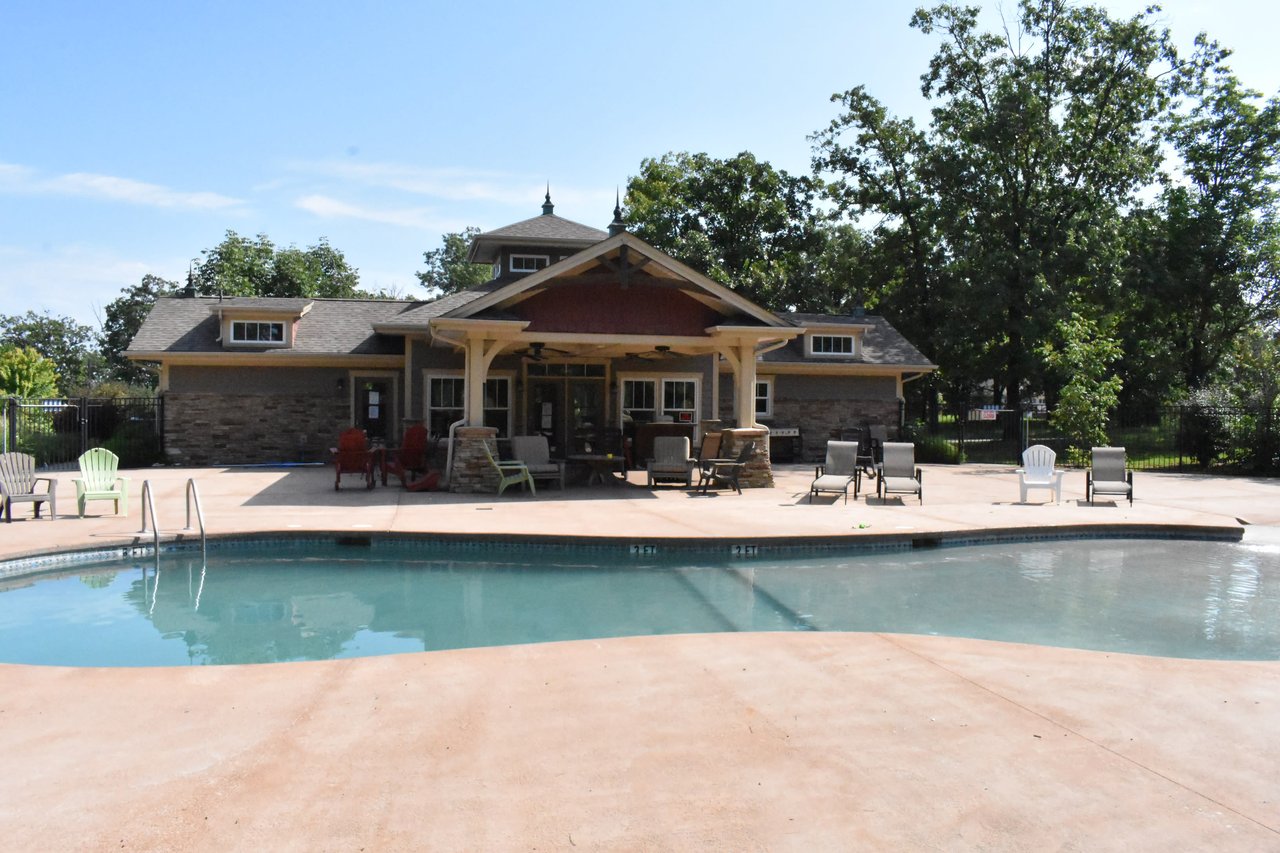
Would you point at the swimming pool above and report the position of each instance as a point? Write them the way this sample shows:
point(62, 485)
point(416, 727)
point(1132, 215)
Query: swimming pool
point(323, 601)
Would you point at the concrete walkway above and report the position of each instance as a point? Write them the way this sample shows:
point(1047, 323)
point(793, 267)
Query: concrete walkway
point(718, 742)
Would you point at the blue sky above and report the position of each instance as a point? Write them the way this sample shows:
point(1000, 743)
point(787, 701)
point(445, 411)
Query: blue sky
point(134, 135)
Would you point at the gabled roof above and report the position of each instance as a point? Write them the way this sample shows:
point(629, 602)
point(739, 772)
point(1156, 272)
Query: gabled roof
point(882, 344)
point(180, 324)
point(544, 230)
point(658, 264)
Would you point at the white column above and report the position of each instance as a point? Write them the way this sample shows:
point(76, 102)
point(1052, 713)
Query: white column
point(480, 354)
point(745, 384)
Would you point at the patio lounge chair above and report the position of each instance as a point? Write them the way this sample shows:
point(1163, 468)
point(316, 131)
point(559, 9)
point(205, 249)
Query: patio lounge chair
point(535, 453)
point(1109, 475)
point(18, 485)
point(708, 455)
point(671, 460)
point(352, 456)
point(409, 458)
point(725, 473)
point(840, 470)
point(510, 472)
point(1037, 472)
point(98, 481)
point(898, 472)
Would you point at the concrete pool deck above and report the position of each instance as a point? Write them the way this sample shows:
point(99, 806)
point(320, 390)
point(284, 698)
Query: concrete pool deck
point(718, 742)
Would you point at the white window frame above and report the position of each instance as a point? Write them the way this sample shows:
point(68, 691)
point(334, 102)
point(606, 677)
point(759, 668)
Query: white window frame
point(766, 381)
point(511, 263)
point(506, 376)
point(855, 345)
point(659, 381)
point(242, 322)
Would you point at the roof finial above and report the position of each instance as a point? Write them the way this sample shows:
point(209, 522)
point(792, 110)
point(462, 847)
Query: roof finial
point(547, 206)
point(617, 226)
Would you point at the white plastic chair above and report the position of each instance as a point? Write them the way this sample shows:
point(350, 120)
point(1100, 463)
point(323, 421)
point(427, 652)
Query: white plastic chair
point(1037, 472)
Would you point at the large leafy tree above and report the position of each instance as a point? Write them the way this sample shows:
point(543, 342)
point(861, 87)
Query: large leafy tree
point(738, 220)
point(1010, 201)
point(68, 345)
point(1215, 243)
point(124, 316)
point(239, 266)
point(448, 269)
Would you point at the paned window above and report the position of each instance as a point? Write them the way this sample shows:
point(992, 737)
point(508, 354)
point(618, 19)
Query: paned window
point(446, 403)
point(680, 399)
point(529, 263)
point(638, 401)
point(256, 332)
point(764, 398)
point(832, 344)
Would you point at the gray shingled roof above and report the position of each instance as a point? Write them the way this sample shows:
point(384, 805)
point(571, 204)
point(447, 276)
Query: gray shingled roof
point(881, 345)
point(546, 226)
point(332, 327)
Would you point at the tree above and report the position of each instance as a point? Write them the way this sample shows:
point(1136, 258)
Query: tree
point(448, 270)
point(64, 342)
point(124, 316)
point(1216, 251)
point(26, 373)
point(239, 266)
point(1039, 137)
point(1084, 350)
point(738, 221)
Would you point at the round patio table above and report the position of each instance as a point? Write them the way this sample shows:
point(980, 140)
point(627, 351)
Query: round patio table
point(605, 467)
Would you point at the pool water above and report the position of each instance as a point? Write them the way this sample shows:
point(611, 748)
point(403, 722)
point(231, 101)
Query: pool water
point(263, 604)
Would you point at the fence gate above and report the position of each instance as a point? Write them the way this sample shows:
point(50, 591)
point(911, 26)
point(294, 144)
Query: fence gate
point(57, 430)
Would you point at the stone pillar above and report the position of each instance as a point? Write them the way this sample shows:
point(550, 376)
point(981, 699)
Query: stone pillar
point(759, 471)
point(472, 472)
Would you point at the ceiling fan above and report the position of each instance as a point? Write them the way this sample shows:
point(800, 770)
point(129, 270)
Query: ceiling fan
point(538, 351)
point(658, 352)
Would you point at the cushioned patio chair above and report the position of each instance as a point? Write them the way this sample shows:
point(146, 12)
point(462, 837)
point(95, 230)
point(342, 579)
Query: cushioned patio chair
point(511, 472)
point(18, 485)
point(898, 472)
point(725, 473)
point(352, 456)
point(840, 471)
point(535, 453)
point(1037, 472)
point(98, 481)
point(409, 459)
point(671, 460)
point(1109, 475)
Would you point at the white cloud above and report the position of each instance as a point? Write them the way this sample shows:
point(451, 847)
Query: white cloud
point(74, 281)
point(331, 208)
point(25, 181)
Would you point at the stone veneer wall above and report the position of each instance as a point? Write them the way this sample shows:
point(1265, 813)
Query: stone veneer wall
point(758, 474)
point(217, 429)
point(471, 469)
point(822, 420)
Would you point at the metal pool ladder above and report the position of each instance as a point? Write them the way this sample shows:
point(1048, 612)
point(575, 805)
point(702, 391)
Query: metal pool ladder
point(193, 496)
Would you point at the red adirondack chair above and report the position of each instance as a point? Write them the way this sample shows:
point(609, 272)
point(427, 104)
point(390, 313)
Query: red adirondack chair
point(352, 456)
point(409, 458)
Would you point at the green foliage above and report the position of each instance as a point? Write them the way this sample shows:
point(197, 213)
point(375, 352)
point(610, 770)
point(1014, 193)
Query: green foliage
point(448, 269)
point(67, 344)
point(1008, 204)
point(740, 222)
point(1084, 352)
point(124, 316)
point(239, 266)
point(26, 373)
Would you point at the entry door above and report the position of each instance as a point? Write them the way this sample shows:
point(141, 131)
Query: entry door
point(569, 411)
point(375, 408)
point(546, 412)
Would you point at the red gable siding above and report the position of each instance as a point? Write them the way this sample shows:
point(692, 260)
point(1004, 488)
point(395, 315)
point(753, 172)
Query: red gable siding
point(611, 309)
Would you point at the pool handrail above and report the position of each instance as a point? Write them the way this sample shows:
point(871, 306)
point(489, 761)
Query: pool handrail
point(149, 504)
point(193, 494)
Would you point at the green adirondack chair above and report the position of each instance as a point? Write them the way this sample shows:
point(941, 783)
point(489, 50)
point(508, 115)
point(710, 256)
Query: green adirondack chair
point(98, 481)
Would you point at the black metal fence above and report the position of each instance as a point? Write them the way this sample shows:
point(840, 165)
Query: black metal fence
point(1167, 438)
point(57, 430)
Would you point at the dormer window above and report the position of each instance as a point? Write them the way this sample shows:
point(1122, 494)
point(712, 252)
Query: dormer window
point(832, 345)
point(257, 332)
point(529, 263)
